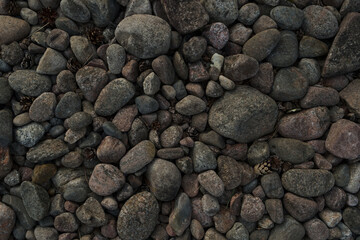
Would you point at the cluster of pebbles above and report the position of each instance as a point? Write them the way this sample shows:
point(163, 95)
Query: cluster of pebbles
point(189, 119)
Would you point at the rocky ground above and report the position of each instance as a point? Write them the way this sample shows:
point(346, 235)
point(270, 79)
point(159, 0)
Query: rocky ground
point(191, 119)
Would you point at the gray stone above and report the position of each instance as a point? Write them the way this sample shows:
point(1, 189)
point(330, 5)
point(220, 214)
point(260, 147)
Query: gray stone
point(76, 10)
point(91, 213)
point(289, 229)
point(320, 96)
point(45, 233)
point(51, 63)
point(240, 67)
point(316, 229)
point(146, 104)
point(249, 13)
point(239, 33)
point(350, 96)
point(138, 132)
point(354, 182)
point(271, 183)
point(144, 36)
point(114, 96)
point(29, 82)
point(12, 54)
point(211, 182)
point(21, 214)
point(190, 105)
point(66, 222)
point(288, 18)
point(43, 107)
point(203, 158)
point(151, 84)
point(7, 220)
point(138, 7)
point(47, 150)
point(222, 11)
point(6, 127)
point(243, 114)
point(5, 91)
point(285, 53)
point(310, 69)
point(91, 81)
point(76, 190)
point(302, 209)
point(69, 104)
point(312, 47)
point(82, 48)
point(351, 218)
point(36, 200)
point(238, 232)
point(164, 69)
point(78, 120)
point(102, 12)
point(230, 172)
point(210, 204)
point(13, 178)
point(12, 29)
point(115, 56)
point(67, 25)
point(180, 217)
point(301, 182)
point(30, 134)
point(58, 39)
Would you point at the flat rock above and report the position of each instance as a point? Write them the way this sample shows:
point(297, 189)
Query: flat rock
point(185, 16)
point(29, 82)
point(12, 29)
point(144, 36)
point(289, 229)
point(302, 209)
point(138, 217)
point(243, 114)
point(350, 95)
point(203, 158)
point(321, 96)
point(343, 139)
point(240, 67)
point(190, 105)
point(51, 63)
point(301, 182)
point(91, 80)
point(47, 150)
point(344, 54)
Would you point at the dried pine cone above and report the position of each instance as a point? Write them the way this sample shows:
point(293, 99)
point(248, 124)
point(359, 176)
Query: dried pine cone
point(73, 65)
point(95, 36)
point(28, 61)
point(273, 163)
point(26, 102)
point(47, 16)
point(13, 8)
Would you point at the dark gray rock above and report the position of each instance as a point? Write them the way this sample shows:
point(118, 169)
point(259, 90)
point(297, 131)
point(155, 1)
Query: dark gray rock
point(51, 63)
point(243, 114)
point(249, 13)
point(289, 229)
point(29, 83)
point(102, 12)
point(310, 68)
point(222, 11)
point(288, 18)
point(144, 36)
point(190, 105)
point(238, 232)
point(65, 81)
point(240, 67)
point(116, 57)
point(91, 213)
point(164, 69)
point(138, 7)
point(229, 171)
point(82, 48)
point(6, 126)
point(67, 25)
point(12, 54)
point(30, 134)
point(47, 150)
point(302, 209)
point(312, 47)
point(76, 190)
point(69, 104)
point(146, 104)
point(271, 183)
point(12, 29)
point(350, 96)
point(58, 39)
point(138, 132)
point(91, 80)
point(78, 120)
point(5, 91)
point(45, 233)
point(76, 10)
point(351, 218)
point(43, 107)
point(194, 48)
point(285, 53)
point(203, 158)
point(180, 216)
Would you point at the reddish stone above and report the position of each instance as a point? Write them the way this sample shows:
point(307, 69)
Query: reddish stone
point(25, 173)
point(190, 184)
point(335, 199)
point(252, 208)
point(236, 151)
point(70, 206)
point(318, 146)
point(320, 96)
point(217, 35)
point(248, 173)
point(199, 214)
point(5, 162)
point(7, 221)
point(197, 72)
point(351, 96)
point(264, 79)
point(224, 220)
point(302, 209)
point(131, 70)
point(274, 208)
point(67, 236)
point(109, 230)
point(106, 179)
point(321, 162)
point(110, 150)
point(338, 82)
point(235, 204)
point(124, 118)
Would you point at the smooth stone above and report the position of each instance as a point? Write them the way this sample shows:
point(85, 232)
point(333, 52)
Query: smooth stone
point(289, 229)
point(350, 96)
point(29, 82)
point(146, 104)
point(102, 12)
point(222, 11)
point(67, 25)
point(240, 67)
point(164, 69)
point(78, 120)
point(82, 48)
point(115, 56)
point(353, 186)
point(43, 107)
point(320, 96)
point(51, 63)
point(203, 158)
point(190, 105)
point(47, 150)
point(91, 213)
point(21, 214)
point(252, 208)
point(351, 216)
point(45, 233)
point(211, 182)
point(151, 84)
point(6, 128)
point(106, 179)
point(75, 10)
point(91, 81)
point(271, 183)
point(238, 232)
point(30, 134)
point(310, 68)
point(12, 29)
point(7, 220)
point(311, 47)
point(138, 7)
point(180, 217)
point(263, 23)
point(229, 171)
point(302, 209)
point(288, 18)
point(248, 13)
point(5, 90)
point(69, 104)
point(285, 53)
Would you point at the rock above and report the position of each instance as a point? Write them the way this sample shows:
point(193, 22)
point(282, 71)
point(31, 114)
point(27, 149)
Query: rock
point(351, 218)
point(164, 179)
point(82, 48)
point(29, 134)
point(343, 139)
point(316, 229)
point(5, 162)
point(224, 220)
point(252, 208)
point(151, 84)
point(310, 68)
point(211, 233)
point(58, 39)
point(146, 104)
point(65, 81)
point(144, 36)
point(138, 157)
point(262, 44)
point(124, 117)
point(138, 216)
point(106, 179)
point(171, 136)
point(222, 11)
point(238, 232)
point(91, 80)
point(311, 47)
point(115, 56)
point(29, 83)
point(229, 172)
point(288, 18)
point(249, 13)
point(138, 7)
point(45, 233)
point(353, 186)
point(185, 16)
point(264, 79)
point(12, 29)
point(198, 72)
point(302, 209)
point(211, 182)
point(78, 121)
point(289, 84)
point(196, 229)
point(36, 200)
point(347, 59)
point(240, 67)
point(69, 104)
point(271, 184)
point(217, 34)
point(203, 158)
point(43, 107)
point(285, 53)
point(51, 63)
point(210, 204)
point(301, 182)
point(114, 96)
point(274, 208)
point(239, 33)
point(91, 213)
point(47, 150)
point(75, 190)
point(319, 22)
point(6, 128)
point(7, 221)
point(76, 10)
point(330, 218)
point(289, 229)
point(350, 96)
point(263, 23)
point(102, 12)
point(43, 173)
point(180, 217)
point(110, 150)
point(12, 54)
point(72, 136)
point(320, 96)
point(66, 222)
point(67, 25)
point(180, 65)
point(5, 91)
point(164, 69)
point(335, 199)
point(190, 105)
point(226, 83)
point(249, 108)
point(305, 125)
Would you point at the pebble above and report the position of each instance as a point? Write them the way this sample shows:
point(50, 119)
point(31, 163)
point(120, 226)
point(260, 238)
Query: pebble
point(222, 11)
point(199, 214)
point(138, 7)
point(285, 53)
point(36, 200)
point(58, 39)
point(330, 218)
point(72, 136)
point(264, 79)
point(75, 10)
point(150, 33)
point(137, 157)
point(203, 158)
point(289, 229)
point(29, 82)
point(274, 208)
point(311, 47)
point(51, 63)
point(190, 105)
point(226, 83)
point(138, 216)
point(110, 150)
point(211, 182)
point(43, 173)
point(65, 81)
point(30, 134)
point(287, 18)
point(45, 233)
point(67, 25)
point(82, 48)
point(224, 220)
point(316, 229)
point(114, 96)
point(217, 35)
point(262, 113)
point(197, 231)
point(271, 184)
point(300, 182)
point(91, 213)
point(91, 81)
point(335, 199)
point(240, 67)
point(194, 49)
point(115, 56)
point(258, 152)
point(217, 62)
point(289, 84)
point(180, 66)
point(310, 68)
point(12, 29)
point(319, 22)
point(197, 72)
point(237, 232)
point(185, 17)
point(320, 96)
point(214, 90)
point(168, 92)
point(78, 121)
point(264, 23)
point(302, 209)
point(354, 185)
point(180, 217)
point(239, 33)
point(106, 179)
point(252, 208)
point(47, 150)
point(185, 165)
point(5, 91)
point(230, 172)
point(124, 117)
point(151, 84)
point(211, 233)
point(102, 13)
point(66, 222)
point(343, 139)
point(7, 220)
point(352, 219)
point(43, 107)
point(13, 178)
point(249, 13)
point(348, 94)
point(210, 205)
point(146, 104)
point(180, 89)
point(12, 54)
point(171, 136)
point(262, 44)
point(69, 104)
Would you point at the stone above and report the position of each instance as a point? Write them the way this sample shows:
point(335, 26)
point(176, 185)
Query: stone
point(36, 200)
point(110, 150)
point(351, 216)
point(217, 34)
point(320, 96)
point(5, 91)
point(171, 136)
point(67, 25)
point(350, 96)
point(222, 11)
point(274, 208)
point(197, 231)
point(75, 10)
point(264, 23)
point(78, 121)
point(12, 29)
point(238, 232)
point(301, 182)
point(102, 12)
point(285, 53)
point(138, 157)
point(289, 229)
point(69, 104)
point(252, 208)
point(164, 69)
point(271, 183)
point(249, 13)
point(180, 217)
point(114, 96)
point(353, 186)
point(198, 72)
point(210, 204)
point(319, 22)
point(146, 104)
point(66, 222)
point(305, 125)
point(211, 233)
point(310, 68)
point(229, 172)
point(289, 84)
point(47, 150)
point(264, 79)
point(316, 229)
point(211, 182)
point(58, 39)
point(138, 216)
point(199, 214)
point(91, 213)
point(115, 56)
point(343, 139)
point(185, 16)
point(43, 107)
point(6, 127)
point(45, 233)
point(287, 18)
point(29, 82)
point(144, 36)
point(30, 134)
point(203, 158)
point(239, 33)
point(124, 117)
point(51, 63)
point(262, 44)
point(75, 190)
point(335, 199)
point(65, 81)
point(226, 83)
point(151, 84)
point(91, 80)
point(5, 162)
point(7, 221)
point(43, 173)
point(331, 218)
point(252, 114)
point(342, 175)
point(302, 209)
point(190, 105)
point(224, 220)
point(12, 54)
point(82, 48)
point(138, 7)
point(240, 67)
point(311, 47)
point(106, 179)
